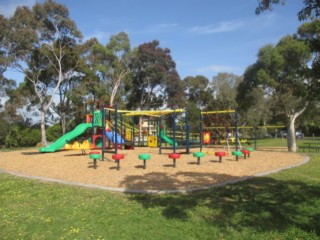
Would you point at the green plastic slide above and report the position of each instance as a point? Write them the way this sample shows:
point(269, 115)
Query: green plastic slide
point(166, 139)
point(81, 128)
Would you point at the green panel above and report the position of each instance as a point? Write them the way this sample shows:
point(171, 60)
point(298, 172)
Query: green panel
point(166, 139)
point(81, 128)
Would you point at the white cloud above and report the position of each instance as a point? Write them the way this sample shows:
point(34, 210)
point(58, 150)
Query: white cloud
point(8, 7)
point(217, 28)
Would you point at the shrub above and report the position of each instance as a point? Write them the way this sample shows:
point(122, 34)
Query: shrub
point(53, 132)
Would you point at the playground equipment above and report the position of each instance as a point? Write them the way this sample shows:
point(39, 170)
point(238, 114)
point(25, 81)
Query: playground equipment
point(80, 129)
point(198, 155)
point(77, 145)
point(220, 155)
point(95, 156)
point(144, 157)
point(165, 138)
point(245, 153)
point(217, 131)
point(97, 122)
point(107, 124)
point(117, 158)
point(209, 131)
point(237, 154)
point(174, 156)
point(152, 141)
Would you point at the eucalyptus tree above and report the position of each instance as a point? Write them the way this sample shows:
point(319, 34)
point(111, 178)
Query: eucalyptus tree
point(224, 88)
point(310, 11)
point(197, 90)
point(48, 37)
point(110, 65)
point(5, 84)
point(118, 55)
point(154, 79)
point(310, 32)
point(280, 71)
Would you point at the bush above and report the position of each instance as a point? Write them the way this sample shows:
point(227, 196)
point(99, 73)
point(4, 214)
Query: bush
point(12, 138)
point(4, 130)
point(29, 137)
point(53, 132)
point(18, 137)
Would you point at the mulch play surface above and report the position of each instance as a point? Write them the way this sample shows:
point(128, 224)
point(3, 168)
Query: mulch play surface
point(72, 166)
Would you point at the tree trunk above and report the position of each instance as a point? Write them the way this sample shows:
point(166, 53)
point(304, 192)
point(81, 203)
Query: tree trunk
point(63, 123)
point(43, 129)
point(116, 86)
point(291, 134)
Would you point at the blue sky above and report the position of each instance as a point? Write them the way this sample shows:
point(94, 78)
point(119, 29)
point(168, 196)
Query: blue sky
point(205, 36)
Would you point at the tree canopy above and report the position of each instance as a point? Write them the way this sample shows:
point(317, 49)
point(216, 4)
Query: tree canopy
point(311, 10)
point(45, 53)
point(280, 71)
point(155, 80)
point(61, 73)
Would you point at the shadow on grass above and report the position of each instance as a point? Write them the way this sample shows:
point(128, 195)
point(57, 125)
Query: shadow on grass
point(264, 204)
point(162, 181)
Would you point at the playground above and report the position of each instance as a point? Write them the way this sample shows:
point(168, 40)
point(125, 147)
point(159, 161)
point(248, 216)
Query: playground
point(72, 167)
point(116, 161)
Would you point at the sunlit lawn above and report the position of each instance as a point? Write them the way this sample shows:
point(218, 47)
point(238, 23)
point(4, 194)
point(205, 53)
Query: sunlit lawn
point(285, 205)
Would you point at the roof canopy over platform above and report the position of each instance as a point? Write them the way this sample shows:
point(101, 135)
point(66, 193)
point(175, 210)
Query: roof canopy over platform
point(152, 113)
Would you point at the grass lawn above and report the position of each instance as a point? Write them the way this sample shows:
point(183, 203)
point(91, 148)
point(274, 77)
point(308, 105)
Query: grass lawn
point(284, 205)
point(279, 142)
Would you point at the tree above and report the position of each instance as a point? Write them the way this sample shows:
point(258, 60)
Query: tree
point(309, 32)
point(154, 78)
point(255, 108)
point(48, 35)
point(280, 73)
point(197, 91)
point(118, 54)
point(5, 84)
point(310, 11)
point(110, 66)
point(224, 87)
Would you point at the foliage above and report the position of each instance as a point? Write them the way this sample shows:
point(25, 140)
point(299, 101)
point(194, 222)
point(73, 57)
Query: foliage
point(4, 128)
point(279, 206)
point(197, 91)
point(224, 87)
point(193, 116)
point(280, 71)
point(54, 132)
point(57, 65)
point(310, 11)
point(309, 32)
point(12, 137)
point(22, 137)
point(154, 78)
point(45, 54)
point(110, 65)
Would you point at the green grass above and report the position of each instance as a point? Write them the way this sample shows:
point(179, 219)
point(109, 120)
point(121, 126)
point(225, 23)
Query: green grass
point(285, 205)
point(278, 142)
